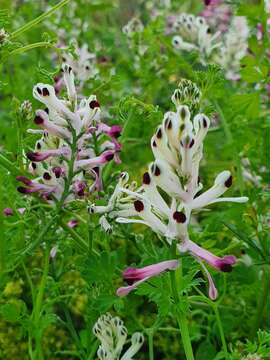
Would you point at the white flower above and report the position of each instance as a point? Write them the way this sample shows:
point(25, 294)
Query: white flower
point(113, 335)
point(234, 47)
point(83, 65)
point(177, 146)
point(195, 35)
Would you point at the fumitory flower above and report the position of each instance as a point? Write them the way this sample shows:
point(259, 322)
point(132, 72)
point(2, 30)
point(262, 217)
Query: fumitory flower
point(74, 146)
point(195, 35)
point(177, 146)
point(113, 336)
point(83, 63)
point(135, 277)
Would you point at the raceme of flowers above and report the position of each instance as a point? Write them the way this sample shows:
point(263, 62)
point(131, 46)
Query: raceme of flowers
point(226, 50)
point(75, 144)
point(113, 336)
point(195, 35)
point(177, 146)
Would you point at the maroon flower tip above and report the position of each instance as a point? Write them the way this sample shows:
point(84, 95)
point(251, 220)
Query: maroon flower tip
point(109, 157)
point(226, 267)
point(228, 182)
point(45, 92)
point(32, 156)
point(157, 171)
point(207, 2)
point(8, 212)
point(138, 205)
point(159, 133)
point(80, 192)
point(39, 91)
point(46, 176)
point(116, 131)
point(57, 171)
point(93, 104)
point(24, 180)
point(191, 143)
point(22, 190)
point(204, 122)
point(38, 120)
point(146, 178)
point(154, 144)
point(179, 217)
point(168, 123)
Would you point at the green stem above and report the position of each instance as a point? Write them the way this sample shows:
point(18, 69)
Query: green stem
point(151, 344)
point(38, 305)
point(7, 164)
point(225, 124)
point(221, 331)
point(261, 305)
point(37, 20)
point(25, 48)
point(181, 319)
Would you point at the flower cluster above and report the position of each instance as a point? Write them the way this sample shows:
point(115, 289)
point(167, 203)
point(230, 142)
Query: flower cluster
point(83, 64)
point(74, 146)
point(225, 50)
point(177, 146)
point(195, 35)
point(113, 335)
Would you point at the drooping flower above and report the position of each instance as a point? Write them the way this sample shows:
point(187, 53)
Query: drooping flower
point(135, 277)
point(177, 146)
point(74, 147)
point(113, 336)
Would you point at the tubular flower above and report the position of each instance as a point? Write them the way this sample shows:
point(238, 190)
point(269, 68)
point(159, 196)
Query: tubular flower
point(195, 35)
point(177, 146)
point(135, 277)
point(113, 336)
point(74, 147)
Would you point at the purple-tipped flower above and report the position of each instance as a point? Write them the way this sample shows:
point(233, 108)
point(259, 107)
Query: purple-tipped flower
point(69, 128)
point(72, 223)
point(8, 212)
point(135, 277)
point(177, 147)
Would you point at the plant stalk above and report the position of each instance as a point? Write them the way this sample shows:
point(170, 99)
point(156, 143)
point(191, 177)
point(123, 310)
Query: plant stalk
point(261, 305)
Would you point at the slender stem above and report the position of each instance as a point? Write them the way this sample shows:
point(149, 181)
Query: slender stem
point(261, 305)
point(38, 304)
point(221, 331)
point(151, 344)
point(25, 48)
point(37, 20)
point(225, 124)
point(7, 164)
point(181, 319)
